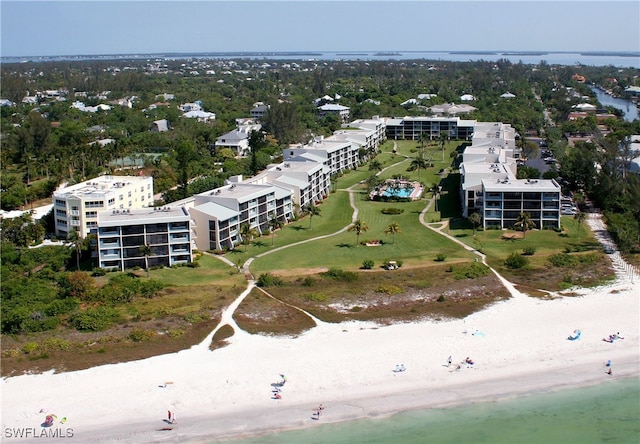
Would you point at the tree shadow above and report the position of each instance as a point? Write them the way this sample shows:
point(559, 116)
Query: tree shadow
point(297, 227)
point(344, 245)
point(259, 244)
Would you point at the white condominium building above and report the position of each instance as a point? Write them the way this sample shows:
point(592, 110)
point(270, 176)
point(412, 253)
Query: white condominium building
point(77, 206)
point(122, 233)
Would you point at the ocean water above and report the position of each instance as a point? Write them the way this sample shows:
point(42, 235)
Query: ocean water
point(605, 413)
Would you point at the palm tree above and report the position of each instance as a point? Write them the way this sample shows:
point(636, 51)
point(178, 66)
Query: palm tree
point(145, 250)
point(443, 140)
point(311, 210)
point(359, 227)
point(475, 219)
point(75, 237)
point(524, 222)
point(417, 164)
point(274, 224)
point(580, 216)
point(248, 233)
point(392, 229)
point(375, 165)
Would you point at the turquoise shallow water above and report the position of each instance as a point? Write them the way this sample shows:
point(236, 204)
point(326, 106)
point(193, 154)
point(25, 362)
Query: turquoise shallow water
point(606, 413)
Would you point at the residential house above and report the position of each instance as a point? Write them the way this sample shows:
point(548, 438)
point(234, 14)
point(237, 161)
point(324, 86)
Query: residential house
point(238, 139)
point(259, 110)
point(343, 112)
point(159, 126)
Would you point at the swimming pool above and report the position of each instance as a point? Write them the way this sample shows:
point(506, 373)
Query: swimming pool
point(398, 192)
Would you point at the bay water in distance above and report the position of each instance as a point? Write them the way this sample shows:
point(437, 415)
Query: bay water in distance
point(604, 413)
point(566, 58)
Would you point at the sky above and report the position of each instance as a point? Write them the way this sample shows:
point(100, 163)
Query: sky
point(87, 27)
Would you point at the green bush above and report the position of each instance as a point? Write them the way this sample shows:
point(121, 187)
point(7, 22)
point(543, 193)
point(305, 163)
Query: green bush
point(529, 251)
point(30, 347)
point(140, 335)
point(440, 257)
point(308, 281)
point(193, 318)
point(516, 261)
point(316, 297)
point(388, 289)
point(470, 271)
point(563, 260)
point(368, 264)
point(56, 344)
point(94, 319)
point(392, 210)
point(341, 275)
point(269, 280)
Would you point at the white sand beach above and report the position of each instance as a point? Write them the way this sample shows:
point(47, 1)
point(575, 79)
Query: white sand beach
point(348, 368)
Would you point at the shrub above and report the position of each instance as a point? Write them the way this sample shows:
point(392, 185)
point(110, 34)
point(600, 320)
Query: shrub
point(440, 257)
point(56, 344)
point(316, 297)
point(529, 251)
point(192, 317)
point(269, 280)
point(30, 347)
point(441, 298)
point(368, 264)
point(471, 271)
point(140, 335)
point(388, 289)
point(516, 261)
point(308, 282)
point(94, 319)
point(392, 210)
point(341, 275)
point(562, 260)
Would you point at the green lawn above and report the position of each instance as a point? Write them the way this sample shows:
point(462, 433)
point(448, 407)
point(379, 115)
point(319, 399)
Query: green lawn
point(414, 245)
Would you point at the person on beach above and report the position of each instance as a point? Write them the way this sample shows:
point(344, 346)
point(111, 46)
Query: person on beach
point(449, 361)
point(608, 372)
point(169, 415)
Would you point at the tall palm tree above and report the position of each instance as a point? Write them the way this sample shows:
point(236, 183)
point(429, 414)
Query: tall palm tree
point(248, 233)
point(311, 210)
point(475, 219)
point(375, 165)
point(417, 164)
point(274, 224)
point(392, 229)
point(75, 237)
point(443, 140)
point(580, 216)
point(359, 227)
point(524, 222)
point(145, 250)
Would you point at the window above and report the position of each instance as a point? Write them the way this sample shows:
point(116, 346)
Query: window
point(92, 214)
point(121, 197)
point(111, 201)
